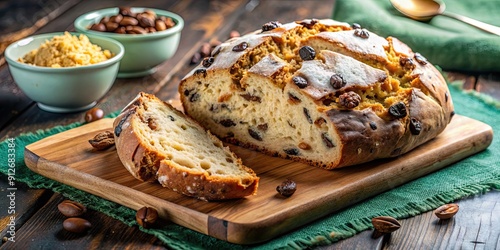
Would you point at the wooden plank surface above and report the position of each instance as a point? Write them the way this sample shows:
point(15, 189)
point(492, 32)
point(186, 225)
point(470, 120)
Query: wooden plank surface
point(68, 158)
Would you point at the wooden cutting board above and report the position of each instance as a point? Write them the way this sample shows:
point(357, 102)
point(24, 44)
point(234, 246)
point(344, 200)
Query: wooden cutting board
point(67, 157)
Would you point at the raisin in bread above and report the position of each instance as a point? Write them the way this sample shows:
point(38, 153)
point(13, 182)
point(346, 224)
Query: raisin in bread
point(155, 141)
point(318, 91)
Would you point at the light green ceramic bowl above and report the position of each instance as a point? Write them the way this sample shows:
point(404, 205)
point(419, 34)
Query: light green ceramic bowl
point(68, 89)
point(143, 52)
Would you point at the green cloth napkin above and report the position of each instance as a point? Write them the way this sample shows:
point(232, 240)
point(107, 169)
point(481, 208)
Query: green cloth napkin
point(474, 175)
point(444, 41)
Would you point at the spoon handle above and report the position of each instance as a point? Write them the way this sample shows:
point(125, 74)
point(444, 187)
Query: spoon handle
point(478, 24)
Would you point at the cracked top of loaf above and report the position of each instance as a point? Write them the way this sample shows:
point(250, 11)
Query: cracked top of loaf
point(342, 67)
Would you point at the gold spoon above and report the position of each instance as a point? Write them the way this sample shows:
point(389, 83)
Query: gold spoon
point(424, 10)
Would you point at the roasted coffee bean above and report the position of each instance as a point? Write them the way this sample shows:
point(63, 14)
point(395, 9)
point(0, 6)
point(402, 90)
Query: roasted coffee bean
point(146, 217)
point(254, 134)
point(233, 34)
point(207, 62)
point(300, 81)
point(71, 208)
point(287, 188)
point(102, 140)
point(205, 49)
point(270, 26)
point(98, 27)
point(160, 25)
point(121, 30)
point(125, 11)
point(240, 47)
point(308, 116)
point(373, 125)
point(337, 81)
point(326, 139)
point(111, 26)
point(420, 59)
point(227, 123)
point(349, 99)
point(415, 126)
point(307, 53)
point(94, 114)
point(196, 58)
point(291, 151)
point(385, 224)
point(446, 211)
point(363, 33)
point(127, 22)
point(146, 20)
point(76, 225)
point(398, 110)
point(356, 26)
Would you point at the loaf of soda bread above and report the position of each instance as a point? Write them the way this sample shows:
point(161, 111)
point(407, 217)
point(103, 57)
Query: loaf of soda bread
point(320, 92)
point(154, 141)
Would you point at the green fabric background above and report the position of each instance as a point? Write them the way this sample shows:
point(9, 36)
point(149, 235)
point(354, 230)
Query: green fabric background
point(444, 41)
point(474, 175)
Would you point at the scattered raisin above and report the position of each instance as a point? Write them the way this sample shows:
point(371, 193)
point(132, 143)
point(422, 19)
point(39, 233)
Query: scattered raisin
point(195, 97)
point(250, 97)
point(337, 81)
point(293, 99)
point(227, 123)
point(446, 97)
point(270, 26)
point(171, 118)
point(291, 151)
point(308, 117)
point(254, 134)
point(320, 121)
point(118, 128)
point(152, 124)
point(309, 23)
point(326, 139)
point(373, 125)
point(363, 33)
point(301, 82)
point(304, 146)
point(207, 62)
point(349, 99)
point(216, 51)
point(452, 114)
point(398, 110)
point(240, 47)
point(307, 53)
point(200, 71)
point(205, 50)
point(356, 26)
point(415, 126)
point(287, 188)
point(262, 127)
point(420, 59)
point(407, 63)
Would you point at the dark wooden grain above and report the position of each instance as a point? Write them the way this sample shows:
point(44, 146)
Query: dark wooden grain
point(206, 21)
point(44, 231)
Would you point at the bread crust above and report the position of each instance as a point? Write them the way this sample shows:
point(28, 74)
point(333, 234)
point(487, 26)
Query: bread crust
point(147, 163)
point(384, 73)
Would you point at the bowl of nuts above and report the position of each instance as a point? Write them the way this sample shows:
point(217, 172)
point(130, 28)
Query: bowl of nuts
point(64, 72)
point(150, 36)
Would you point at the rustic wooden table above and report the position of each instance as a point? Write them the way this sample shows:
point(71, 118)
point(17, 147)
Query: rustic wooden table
point(39, 227)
